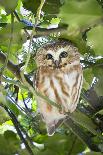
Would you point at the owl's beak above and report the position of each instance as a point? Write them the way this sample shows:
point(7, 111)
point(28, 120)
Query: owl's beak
point(56, 62)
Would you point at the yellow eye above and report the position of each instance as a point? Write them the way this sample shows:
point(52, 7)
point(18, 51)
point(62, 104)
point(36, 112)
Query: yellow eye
point(63, 54)
point(49, 56)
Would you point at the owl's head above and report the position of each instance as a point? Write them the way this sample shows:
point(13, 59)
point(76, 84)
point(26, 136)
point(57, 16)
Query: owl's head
point(57, 55)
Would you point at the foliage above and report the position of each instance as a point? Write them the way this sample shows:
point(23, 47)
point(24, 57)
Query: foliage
point(22, 131)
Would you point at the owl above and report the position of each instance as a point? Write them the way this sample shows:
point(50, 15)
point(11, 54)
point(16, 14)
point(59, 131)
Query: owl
point(59, 77)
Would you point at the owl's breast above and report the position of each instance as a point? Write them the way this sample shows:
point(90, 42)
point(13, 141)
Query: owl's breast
point(55, 86)
point(61, 87)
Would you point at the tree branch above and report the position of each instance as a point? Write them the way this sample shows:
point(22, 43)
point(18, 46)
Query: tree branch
point(46, 32)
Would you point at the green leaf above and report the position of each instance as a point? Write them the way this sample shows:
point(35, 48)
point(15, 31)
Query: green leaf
point(100, 112)
point(9, 5)
point(3, 115)
point(50, 8)
point(17, 39)
point(79, 14)
point(9, 144)
point(8, 125)
point(88, 77)
point(84, 121)
point(62, 144)
point(94, 39)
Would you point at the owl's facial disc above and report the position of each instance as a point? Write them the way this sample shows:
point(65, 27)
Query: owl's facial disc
point(56, 62)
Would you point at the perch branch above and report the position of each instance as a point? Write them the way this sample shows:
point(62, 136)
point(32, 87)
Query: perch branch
point(81, 134)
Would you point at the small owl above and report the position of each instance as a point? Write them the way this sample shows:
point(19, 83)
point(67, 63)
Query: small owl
point(59, 77)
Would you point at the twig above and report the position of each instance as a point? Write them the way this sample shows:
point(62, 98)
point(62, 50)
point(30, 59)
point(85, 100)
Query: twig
point(38, 14)
point(10, 81)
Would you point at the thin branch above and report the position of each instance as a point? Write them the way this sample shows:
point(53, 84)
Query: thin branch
point(15, 122)
point(15, 69)
point(14, 82)
point(46, 32)
point(38, 14)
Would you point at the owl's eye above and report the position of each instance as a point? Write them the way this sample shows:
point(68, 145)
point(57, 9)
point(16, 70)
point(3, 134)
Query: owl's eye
point(49, 56)
point(63, 54)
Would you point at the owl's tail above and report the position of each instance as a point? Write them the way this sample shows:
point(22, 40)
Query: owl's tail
point(51, 129)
